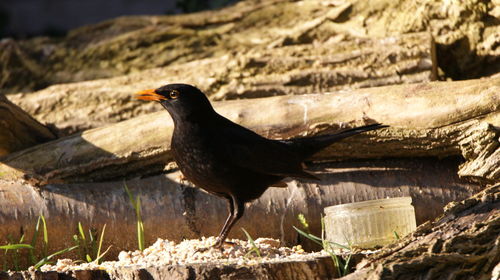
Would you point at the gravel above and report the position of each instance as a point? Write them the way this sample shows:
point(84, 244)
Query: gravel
point(165, 252)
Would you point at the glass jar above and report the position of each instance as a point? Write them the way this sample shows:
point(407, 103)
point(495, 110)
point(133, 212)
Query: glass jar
point(371, 223)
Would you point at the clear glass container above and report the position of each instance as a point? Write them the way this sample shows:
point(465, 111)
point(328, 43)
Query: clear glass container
point(371, 223)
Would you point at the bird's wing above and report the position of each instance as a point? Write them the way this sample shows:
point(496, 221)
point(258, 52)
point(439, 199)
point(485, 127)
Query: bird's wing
point(245, 148)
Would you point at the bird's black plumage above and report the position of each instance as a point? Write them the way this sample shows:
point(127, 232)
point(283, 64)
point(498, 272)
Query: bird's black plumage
point(229, 160)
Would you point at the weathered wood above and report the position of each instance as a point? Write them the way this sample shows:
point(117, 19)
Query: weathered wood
point(461, 244)
point(434, 119)
point(275, 71)
point(309, 268)
point(318, 269)
point(18, 130)
point(306, 34)
point(173, 211)
point(272, 37)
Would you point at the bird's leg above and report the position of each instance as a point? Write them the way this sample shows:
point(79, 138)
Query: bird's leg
point(230, 209)
point(238, 210)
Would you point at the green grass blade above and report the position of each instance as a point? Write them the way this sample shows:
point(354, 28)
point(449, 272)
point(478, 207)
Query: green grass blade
point(130, 196)
point(45, 233)
point(140, 235)
point(16, 246)
point(45, 237)
point(136, 204)
point(31, 254)
point(309, 236)
point(80, 230)
point(396, 235)
point(48, 258)
point(37, 230)
point(339, 245)
point(101, 238)
point(91, 235)
point(98, 259)
point(346, 269)
point(138, 208)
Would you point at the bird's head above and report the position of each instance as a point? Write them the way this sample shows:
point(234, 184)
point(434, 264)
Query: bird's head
point(181, 100)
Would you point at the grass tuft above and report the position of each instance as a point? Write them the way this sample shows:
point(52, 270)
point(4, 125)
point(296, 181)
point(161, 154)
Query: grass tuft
point(90, 248)
point(136, 204)
point(341, 264)
point(254, 248)
point(35, 258)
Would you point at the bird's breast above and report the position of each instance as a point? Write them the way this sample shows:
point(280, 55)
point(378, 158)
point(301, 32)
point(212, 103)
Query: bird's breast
point(197, 159)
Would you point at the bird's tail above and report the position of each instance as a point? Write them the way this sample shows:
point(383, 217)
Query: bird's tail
point(307, 146)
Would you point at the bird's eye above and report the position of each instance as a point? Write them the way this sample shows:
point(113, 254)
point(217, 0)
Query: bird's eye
point(174, 94)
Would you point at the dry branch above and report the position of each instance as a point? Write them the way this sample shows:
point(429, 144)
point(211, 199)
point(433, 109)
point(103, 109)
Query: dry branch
point(437, 119)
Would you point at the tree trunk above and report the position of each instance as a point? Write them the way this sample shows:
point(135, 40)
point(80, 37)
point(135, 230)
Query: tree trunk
point(18, 130)
point(173, 211)
point(437, 119)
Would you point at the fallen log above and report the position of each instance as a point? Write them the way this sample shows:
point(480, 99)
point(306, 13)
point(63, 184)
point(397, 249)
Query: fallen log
point(280, 38)
point(437, 119)
point(305, 36)
point(350, 63)
point(174, 211)
point(18, 130)
point(461, 244)
point(307, 269)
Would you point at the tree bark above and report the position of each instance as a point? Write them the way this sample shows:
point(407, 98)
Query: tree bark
point(175, 211)
point(286, 38)
point(333, 66)
point(18, 130)
point(307, 269)
point(306, 35)
point(461, 244)
point(437, 119)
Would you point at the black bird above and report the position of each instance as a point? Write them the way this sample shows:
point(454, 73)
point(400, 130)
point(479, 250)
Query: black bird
point(229, 160)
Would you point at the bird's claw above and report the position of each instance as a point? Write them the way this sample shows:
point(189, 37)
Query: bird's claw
point(218, 245)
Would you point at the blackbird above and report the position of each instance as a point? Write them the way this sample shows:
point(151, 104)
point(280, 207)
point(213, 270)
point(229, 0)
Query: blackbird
point(229, 160)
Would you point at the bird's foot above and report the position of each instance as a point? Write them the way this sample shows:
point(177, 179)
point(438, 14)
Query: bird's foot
point(221, 242)
point(218, 245)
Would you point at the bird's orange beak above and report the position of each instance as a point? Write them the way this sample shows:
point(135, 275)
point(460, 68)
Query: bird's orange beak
point(149, 94)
